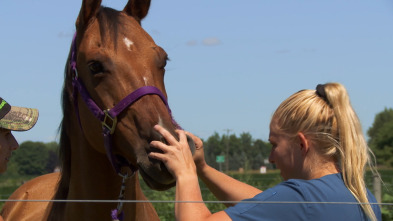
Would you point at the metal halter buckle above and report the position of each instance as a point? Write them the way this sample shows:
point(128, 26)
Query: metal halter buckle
point(109, 122)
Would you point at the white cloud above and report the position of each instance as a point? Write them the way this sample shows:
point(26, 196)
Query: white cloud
point(212, 41)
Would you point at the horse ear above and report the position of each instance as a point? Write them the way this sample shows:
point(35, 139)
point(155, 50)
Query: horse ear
point(88, 11)
point(137, 9)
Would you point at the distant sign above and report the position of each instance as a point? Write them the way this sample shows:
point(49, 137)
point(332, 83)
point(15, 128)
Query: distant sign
point(220, 159)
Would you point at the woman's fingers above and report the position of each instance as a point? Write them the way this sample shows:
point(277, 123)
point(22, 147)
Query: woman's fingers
point(159, 145)
point(168, 136)
point(175, 154)
point(172, 141)
point(198, 142)
point(182, 138)
point(165, 148)
point(158, 156)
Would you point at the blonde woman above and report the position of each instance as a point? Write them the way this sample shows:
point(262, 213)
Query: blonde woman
point(321, 152)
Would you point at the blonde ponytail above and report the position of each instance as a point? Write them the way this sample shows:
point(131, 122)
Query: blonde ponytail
point(354, 148)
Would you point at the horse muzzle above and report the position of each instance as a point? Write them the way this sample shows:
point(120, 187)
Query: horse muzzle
point(156, 175)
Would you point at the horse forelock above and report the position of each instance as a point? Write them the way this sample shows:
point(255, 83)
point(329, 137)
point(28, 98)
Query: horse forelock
point(110, 24)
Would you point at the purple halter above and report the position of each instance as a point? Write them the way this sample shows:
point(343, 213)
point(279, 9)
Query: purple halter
point(108, 117)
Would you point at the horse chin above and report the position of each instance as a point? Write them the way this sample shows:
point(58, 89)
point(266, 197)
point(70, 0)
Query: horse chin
point(154, 184)
point(156, 175)
point(153, 172)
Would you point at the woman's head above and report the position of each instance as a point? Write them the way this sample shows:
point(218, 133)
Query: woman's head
point(310, 114)
point(326, 118)
point(7, 145)
point(305, 115)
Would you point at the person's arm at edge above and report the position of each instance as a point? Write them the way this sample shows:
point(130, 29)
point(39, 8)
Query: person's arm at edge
point(187, 189)
point(224, 187)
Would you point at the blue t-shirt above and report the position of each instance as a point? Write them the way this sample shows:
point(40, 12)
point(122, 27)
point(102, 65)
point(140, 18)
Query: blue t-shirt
point(330, 188)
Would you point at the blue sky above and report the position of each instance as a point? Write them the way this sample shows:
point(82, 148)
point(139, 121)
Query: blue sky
point(232, 62)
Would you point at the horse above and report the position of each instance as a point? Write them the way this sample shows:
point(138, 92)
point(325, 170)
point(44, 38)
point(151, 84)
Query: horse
point(112, 97)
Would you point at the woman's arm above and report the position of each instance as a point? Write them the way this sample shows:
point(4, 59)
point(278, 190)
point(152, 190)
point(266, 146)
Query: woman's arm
point(224, 187)
point(188, 190)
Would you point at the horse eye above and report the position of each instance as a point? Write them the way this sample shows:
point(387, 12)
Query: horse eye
point(165, 61)
point(96, 67)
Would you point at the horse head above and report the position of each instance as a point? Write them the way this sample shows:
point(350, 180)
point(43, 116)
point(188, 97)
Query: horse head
point(113, 95)
point(115, 57)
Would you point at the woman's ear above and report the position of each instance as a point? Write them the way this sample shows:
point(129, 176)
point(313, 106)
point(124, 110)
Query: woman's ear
point(304, 143)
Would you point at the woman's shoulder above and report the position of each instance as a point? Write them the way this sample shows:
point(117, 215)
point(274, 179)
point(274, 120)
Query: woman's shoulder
point(324, 188)
point(331, 180)
point(292, 196)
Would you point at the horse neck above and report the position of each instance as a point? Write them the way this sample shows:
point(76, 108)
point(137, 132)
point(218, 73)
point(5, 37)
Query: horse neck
point(92, 177)
point(91, 173)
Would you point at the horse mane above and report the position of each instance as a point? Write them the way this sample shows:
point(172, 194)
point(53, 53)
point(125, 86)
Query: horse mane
point(109, 20)
point(64, 149)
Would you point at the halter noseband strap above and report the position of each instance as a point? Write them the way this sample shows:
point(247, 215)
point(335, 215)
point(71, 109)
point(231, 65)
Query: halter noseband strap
point(108, 117)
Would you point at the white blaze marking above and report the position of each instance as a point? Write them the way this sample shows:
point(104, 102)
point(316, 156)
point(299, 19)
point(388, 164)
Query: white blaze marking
point(160, 121)
point(128, 43)
point(145, 79)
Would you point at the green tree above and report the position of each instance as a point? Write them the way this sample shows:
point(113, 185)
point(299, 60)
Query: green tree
point(244, 151)
point(31, 158)
point(263, 149)
point(381, 137)
point(53, 158)
point(235, 157)
point(213, 147)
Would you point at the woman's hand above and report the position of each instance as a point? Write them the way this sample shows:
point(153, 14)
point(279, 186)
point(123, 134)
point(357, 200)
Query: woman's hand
point(176, 155)
point(199, 156)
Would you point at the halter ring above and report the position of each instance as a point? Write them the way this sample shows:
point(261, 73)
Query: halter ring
point(109, 122)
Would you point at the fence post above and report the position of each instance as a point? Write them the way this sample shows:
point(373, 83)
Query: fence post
point(377, 188)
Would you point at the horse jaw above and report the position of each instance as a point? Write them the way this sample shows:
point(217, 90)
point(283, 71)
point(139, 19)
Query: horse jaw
point(154, 172)
point(151, 181)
